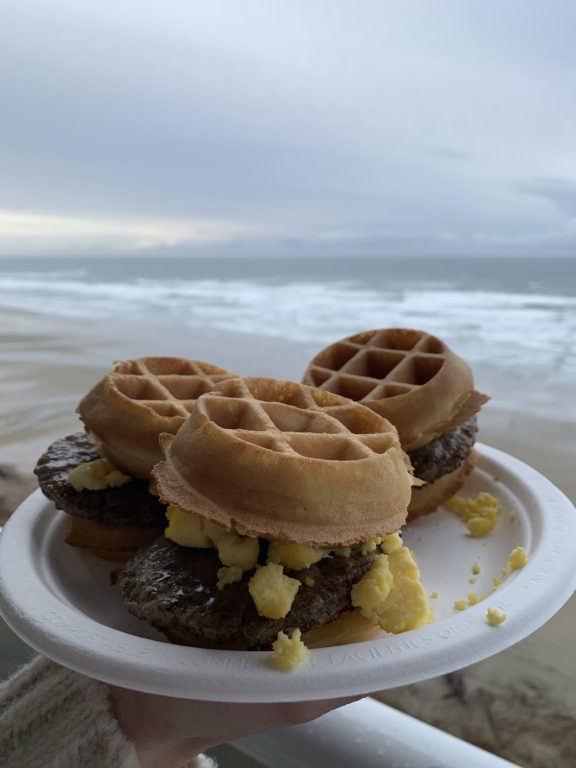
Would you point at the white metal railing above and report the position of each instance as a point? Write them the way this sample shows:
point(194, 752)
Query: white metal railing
point(366, 734)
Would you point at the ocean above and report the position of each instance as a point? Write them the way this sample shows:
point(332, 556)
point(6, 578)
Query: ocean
point(511, 318)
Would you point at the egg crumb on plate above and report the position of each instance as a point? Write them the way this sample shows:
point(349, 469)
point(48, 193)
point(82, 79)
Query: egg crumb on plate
point(494, 616)
point(517, 558)
point(289, 653)
point(480, 514)
point(474, 598)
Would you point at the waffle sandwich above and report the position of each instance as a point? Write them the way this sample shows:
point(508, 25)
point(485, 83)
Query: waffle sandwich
point(102, 477)
point(419, 384)
point(284, 503)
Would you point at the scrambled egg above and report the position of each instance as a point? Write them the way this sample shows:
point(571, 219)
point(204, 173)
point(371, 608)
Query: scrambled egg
point(272, 591)
point(289, 652)
point(391, 542)
point(241, 551)
point(494, 617)
point(191, 530)
point(517, 558)
point(473, 599)
point(392, 593)
point(480, 514)
point(371, 592)
point(96, 476)
point(371, 544)
point(228, 574)
point(293, 555)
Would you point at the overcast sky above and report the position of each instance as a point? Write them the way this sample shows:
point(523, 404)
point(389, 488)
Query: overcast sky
point(304, 126)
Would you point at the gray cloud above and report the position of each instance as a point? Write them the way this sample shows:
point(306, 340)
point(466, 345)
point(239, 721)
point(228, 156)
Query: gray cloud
point(449, 154)
point(297, 119)
point(561, 192)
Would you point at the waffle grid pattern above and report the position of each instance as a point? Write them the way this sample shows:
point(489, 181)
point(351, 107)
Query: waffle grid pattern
point(377, 365)
point(294, 422)
point(167, 386)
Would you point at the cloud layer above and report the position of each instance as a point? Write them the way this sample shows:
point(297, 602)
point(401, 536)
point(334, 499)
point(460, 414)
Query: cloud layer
point(287, 126)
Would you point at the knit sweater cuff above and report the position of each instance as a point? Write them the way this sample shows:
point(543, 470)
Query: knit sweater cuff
point(52, 717)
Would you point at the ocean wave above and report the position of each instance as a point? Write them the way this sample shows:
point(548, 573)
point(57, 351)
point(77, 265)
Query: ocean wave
point(504, 328)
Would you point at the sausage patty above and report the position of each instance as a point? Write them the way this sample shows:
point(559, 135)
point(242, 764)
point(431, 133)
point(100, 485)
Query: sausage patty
point(130, 504)
point(444, 454)
point(174, 589)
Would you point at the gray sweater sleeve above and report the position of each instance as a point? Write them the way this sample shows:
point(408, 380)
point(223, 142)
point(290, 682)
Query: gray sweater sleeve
point(52, 717)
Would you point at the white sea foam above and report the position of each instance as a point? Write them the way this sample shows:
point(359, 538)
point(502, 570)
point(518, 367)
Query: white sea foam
point(505, 329)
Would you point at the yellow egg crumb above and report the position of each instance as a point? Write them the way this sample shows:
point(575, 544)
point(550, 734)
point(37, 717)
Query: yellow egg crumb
point(238, 550)
point(96, 476)
point(494, 617)
point(186, 529)
point(406, 606)
point(371, 592)
point(190, 530)
point(517, 558)
point(505, 572)
point(475, 568)
point(391, 542)
point(293, 555)
point(342, 551)
point(309, 581)
point(272, 591)
point(433, 595)
point(228, 574)
point(371, 544)
point(472, 580)
point(496, 582)
point(480, 514)
point(289, 653)
point(479, 526)
point(474, 598)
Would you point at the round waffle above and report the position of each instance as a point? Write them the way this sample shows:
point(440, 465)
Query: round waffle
point(129, 408)
point(408, 376)
point(285, 461)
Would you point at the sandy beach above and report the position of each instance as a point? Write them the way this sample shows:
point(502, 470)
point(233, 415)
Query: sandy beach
point(520, 703)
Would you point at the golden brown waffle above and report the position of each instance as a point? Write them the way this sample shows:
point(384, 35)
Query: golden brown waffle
point(286, 461)
point(408, 376)
point(129, 408)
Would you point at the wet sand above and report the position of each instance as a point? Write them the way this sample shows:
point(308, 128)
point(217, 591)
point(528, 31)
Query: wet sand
point(520, 704)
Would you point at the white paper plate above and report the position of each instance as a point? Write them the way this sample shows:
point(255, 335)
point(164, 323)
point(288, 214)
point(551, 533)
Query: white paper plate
point(60, 601)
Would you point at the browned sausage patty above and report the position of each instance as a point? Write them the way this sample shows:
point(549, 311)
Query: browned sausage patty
point(130, 504)
point(174, 589)
point(444, 454)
